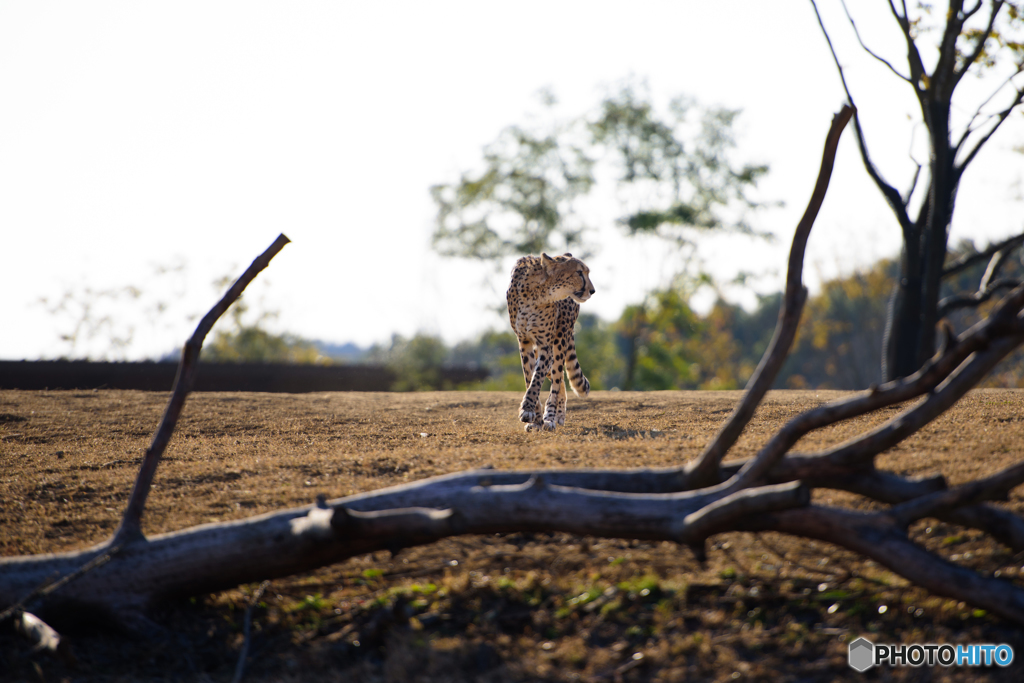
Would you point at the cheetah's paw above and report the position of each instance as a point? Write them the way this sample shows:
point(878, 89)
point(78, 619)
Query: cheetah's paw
point(528, 416)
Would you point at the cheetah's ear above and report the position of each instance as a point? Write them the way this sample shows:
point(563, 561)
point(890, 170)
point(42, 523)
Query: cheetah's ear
point(546, 260)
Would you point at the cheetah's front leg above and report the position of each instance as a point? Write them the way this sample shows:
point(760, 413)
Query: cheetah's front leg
point(560, 409)
point(554, 409)
point(529, 409)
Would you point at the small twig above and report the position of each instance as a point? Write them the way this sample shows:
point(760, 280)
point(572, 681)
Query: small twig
point(969, 129)
point(979, 46)
point(869, 50)
point(1000, 118)
point(829, 570)
point(970, 260)
point(247, 631)
point(131, 523)
point(952, 303)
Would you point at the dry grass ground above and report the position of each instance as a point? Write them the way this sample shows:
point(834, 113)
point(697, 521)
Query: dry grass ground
point(519, 607)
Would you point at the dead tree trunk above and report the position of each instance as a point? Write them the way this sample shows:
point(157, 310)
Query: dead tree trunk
point(966, 45)
point(686, 504)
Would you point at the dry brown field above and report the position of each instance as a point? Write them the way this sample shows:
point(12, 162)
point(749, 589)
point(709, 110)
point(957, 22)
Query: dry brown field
point(513, 607)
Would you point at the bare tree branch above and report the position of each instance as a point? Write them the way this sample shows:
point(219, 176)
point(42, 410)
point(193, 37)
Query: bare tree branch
point(869, 50)
point(913, 183)
point(47, 587)
point(995, 487)
point(987, 287)
point(861, 450)
point(725, 512)
point(993, 268)
point(705, 468)
point(952, 303)
point(944, 74)
point(131, 522)
point(891, 194)
point(974, 10)
point(969, 129)
point(917, 70)
point(979, 45)
point(876, 537)
point(1000, 118)
point(968, 261)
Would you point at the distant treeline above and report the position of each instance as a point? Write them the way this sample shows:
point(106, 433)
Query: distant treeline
point(663, 344)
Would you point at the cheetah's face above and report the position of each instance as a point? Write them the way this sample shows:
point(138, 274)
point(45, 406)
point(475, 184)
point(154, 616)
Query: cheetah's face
point(570, 275)
point(586, 287)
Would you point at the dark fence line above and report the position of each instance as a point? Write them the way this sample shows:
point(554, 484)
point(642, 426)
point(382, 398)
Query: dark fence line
point(159, 376)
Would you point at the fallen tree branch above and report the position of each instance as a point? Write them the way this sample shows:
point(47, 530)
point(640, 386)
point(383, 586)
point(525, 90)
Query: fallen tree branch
point(47, 587)
point(704, 470)
point(979, 338)
point(995, 487)
point(876, 537)
point(213, 557)
point(131, 522)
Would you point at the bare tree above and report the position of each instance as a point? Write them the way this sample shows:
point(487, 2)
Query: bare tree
point(686, 504)
point(972, 39)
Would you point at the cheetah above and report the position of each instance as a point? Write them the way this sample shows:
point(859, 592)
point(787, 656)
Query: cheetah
point(544, 300)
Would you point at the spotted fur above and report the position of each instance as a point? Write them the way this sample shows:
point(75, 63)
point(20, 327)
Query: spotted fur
point(544, 300)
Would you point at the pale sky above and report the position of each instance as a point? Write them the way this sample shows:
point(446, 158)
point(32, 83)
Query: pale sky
point(142, 135)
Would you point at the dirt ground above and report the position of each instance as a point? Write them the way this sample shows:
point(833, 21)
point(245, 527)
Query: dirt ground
point(516, 607)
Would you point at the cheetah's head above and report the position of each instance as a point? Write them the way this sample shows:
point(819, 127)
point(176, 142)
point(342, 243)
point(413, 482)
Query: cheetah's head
point(570, 274)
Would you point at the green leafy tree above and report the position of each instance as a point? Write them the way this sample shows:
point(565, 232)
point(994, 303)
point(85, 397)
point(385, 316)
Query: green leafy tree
point(656, 346)
point(253, 343)
point(249, 341)
point(104, 323)
point(680, 186)
point(524, 200)
point(598, 351)
point(664, 344)
point(943, 45)
point(498, 352)
point(416, 362)
point(839, 342)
